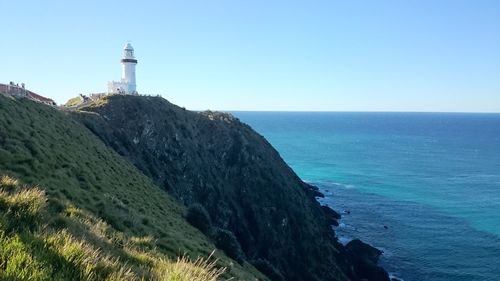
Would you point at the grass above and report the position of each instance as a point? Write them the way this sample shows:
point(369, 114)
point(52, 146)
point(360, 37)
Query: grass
point(34, 250)
point(74, 101)
point(93, 201)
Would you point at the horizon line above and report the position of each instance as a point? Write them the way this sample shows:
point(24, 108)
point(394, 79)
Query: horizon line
point(354, 111)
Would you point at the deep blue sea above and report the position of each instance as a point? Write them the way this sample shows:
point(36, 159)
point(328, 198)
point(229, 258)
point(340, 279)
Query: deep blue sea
point(433, 179)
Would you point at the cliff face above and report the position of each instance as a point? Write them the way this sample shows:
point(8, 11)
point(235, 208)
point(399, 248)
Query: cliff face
point(215, 160)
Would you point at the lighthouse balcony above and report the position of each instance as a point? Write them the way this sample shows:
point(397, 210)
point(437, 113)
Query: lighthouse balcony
point(129, 60)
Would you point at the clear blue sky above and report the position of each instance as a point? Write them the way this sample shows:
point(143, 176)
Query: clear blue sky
point(400, 55)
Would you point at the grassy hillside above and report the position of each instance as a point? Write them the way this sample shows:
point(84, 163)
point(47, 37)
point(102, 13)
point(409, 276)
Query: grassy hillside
point(97, 217)
point(34, 246)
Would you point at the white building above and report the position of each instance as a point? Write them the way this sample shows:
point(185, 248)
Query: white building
point(127, 84)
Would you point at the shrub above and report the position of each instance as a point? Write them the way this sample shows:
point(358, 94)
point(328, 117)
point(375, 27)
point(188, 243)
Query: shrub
point(145, 221)
point(198, 217)
point(268, 269)
point(227, 242)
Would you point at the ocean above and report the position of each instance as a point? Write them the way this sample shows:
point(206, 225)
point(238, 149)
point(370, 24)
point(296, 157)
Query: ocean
point(422, 187)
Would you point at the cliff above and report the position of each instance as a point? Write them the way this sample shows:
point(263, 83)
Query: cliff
point(213, 159)
point(107, 189)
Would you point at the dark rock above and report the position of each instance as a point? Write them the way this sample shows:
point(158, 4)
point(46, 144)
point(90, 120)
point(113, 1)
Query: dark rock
point(364, 250)
point(314, 190)
point(331, 215)
point(364, 258)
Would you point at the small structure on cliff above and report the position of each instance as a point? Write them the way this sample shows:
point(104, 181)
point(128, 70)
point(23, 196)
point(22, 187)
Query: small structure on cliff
point(14, 90)
point(126, 85)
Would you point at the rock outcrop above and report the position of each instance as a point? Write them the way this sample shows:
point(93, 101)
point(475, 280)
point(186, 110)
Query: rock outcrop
point(331, 215)
point(364, 259)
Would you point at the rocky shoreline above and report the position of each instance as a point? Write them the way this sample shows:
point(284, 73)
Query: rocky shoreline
point(363, 257)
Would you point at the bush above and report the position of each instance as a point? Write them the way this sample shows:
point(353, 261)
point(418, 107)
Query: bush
point(268, 269)
point(198, 217)
point(227, 242)
point(145, 221)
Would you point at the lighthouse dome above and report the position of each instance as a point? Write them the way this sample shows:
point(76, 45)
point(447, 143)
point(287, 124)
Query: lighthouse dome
point(128, 47)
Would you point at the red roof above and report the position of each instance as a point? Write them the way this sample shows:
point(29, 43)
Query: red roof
point(40, 98)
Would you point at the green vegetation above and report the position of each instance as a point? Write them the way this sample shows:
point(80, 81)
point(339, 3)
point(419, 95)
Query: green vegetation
point(33, 250)
point(74, 101)
point(226, 241)
point(198, 217)
point(268, 269)
point(93, 216)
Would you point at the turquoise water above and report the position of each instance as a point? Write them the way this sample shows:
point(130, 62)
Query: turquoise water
point(423, 187)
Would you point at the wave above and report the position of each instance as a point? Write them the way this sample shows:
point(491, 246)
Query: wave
point(394, 277)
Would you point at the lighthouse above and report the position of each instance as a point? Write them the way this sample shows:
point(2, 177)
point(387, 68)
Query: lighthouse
point(127, 84)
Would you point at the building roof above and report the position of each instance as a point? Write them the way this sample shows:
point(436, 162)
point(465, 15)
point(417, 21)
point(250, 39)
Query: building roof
point(40, 98)
point(22, 92)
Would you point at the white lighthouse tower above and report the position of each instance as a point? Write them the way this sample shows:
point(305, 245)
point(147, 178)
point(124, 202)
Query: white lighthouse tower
point(127, 85)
